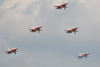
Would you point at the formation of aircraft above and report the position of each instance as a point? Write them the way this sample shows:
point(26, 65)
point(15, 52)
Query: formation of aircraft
point(36, 29)
point(11, 51)
point(61, 6)
point(72, 30)
point(83, 55)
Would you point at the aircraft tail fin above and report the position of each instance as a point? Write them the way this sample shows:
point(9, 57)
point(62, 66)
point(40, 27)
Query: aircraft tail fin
point(8, 49)
point(68, 28)
point(57, 6)
point(79, 54)
point(32, 27)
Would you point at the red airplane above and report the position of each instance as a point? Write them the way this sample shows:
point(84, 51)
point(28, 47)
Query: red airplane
point(83, 55)
point(36, 29)
point(72, 30)
point(62, 6)
point(11, 51)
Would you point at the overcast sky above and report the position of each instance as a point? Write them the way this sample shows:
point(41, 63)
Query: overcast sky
point(52, 47)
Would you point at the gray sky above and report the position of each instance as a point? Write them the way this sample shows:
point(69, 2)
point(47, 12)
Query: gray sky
point(52, 47)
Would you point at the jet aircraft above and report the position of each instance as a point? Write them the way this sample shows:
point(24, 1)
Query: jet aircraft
point(61, 6)
point(36, 29)
point(11, 51)
point(83, 55)
point(72, 30)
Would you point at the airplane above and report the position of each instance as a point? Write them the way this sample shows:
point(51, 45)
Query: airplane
point(11, 51)
point(36, 29)
point(72, 30)
point(83, 55)
point(62, 6)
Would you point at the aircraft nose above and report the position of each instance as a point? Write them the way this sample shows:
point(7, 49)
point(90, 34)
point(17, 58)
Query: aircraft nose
point(88, 53)
point(66, 3)
point(77, 27)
